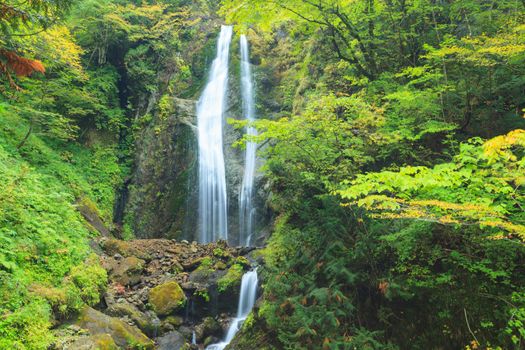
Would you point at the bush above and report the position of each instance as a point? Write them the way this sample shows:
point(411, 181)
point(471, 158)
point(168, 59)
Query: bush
point(90, 279)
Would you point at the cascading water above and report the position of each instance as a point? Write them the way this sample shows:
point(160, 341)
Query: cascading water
point(246, 302)
point(212, 177)
point(246, 207)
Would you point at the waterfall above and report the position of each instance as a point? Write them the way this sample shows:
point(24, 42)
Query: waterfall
point(246, 208)
point(212, 176)
point(246, 302)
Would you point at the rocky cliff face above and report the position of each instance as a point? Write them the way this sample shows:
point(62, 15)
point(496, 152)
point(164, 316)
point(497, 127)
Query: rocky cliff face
point(234, 158)
point(162, 193)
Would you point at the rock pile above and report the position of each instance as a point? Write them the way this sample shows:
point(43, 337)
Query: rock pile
point(162, 294)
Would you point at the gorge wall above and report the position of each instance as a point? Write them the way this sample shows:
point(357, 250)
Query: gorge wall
point(162, 192)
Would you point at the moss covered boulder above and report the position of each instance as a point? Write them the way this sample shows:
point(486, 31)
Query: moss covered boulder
point(208, 327)
point(171, 341)
point(126, 271)
point(166, 298)
point(122, 334)
point(175, 321)
point(114, 246)
point(231, 281)
point(93, 342)
point(147, 322)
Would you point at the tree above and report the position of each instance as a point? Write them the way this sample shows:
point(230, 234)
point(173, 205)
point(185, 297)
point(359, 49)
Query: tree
point(22, 19)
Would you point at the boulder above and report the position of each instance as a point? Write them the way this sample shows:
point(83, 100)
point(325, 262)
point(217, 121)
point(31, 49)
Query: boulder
point(123, 335)
point(231, 281)
point(166, 298)
point(209, 327)
point(126, 271)
point(90, 212)
point(171, 341)
point(147, 322)
point(114, 246)
point(210, 340)
point(206, 276)
point(186, 332)
point(93, 342)
point(175, 321)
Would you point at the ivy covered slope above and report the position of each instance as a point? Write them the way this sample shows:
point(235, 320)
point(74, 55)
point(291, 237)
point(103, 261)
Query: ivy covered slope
point(394, 146)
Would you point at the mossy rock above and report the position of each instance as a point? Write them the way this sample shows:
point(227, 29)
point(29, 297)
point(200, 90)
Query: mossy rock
point(220, 265)
point(211, 326)
point(220, 252)
point(104, 342)
point(127, 271)
point(204, 272)
point(231, 281)
point(123, 334)
point(93, 342)
point(210, 340)
point(242, 260)
point(175, 321)
point(171, 341)
point(147, 323)
point(114, 246)
point(202, 294)
point(166, 298)
point(94, 219)
point(208, 327)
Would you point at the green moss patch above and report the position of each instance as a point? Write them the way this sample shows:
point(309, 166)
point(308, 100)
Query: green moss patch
point(166, 298)
point(232, 279)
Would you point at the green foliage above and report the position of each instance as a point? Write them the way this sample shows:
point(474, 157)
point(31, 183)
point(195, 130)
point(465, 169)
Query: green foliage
point(26, 327)
point(381, 103)
point(516, 326)
point(232, 278)
point(206, 263)
point(91, 280)
point(138, 40)
point(333, 137)
point(219, 253)
point(30, 16)
point(44, 237)
point(388, 103)
point(203, 294)
point(483, 185)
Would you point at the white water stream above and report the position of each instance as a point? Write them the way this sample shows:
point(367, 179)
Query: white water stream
point(246, 207)
point(212, 176)
point(213, 221)
point(246, 302)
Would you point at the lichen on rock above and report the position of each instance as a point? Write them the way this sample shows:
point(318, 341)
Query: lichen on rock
point(123, 334)
point(126, 271)
point(167, 298)
point(146, 322)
